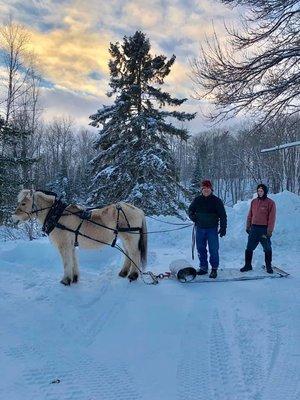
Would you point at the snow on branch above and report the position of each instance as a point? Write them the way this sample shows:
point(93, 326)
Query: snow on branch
point(281, 146)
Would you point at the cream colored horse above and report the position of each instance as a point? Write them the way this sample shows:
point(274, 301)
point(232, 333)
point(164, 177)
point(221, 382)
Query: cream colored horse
point(37, 204)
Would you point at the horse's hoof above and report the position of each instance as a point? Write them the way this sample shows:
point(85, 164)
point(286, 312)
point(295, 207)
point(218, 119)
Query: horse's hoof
point(133, 276)
point(123, 274)
point(75, 279)
point(66, 281)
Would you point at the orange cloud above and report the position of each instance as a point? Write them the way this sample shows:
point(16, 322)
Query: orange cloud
point(67, 57)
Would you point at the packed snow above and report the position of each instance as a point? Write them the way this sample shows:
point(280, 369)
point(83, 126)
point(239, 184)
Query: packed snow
point(106, 338)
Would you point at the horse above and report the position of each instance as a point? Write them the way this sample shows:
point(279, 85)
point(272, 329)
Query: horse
point(102, 226)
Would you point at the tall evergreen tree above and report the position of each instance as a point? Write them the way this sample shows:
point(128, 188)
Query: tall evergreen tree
point(134, 161)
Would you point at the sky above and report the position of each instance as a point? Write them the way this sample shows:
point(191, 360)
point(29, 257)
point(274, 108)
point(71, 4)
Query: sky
point(71, 39)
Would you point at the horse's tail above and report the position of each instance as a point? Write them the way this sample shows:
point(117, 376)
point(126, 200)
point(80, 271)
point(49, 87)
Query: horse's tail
point(143, 243)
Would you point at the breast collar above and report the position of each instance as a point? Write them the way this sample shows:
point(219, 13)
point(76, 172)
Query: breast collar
point(53, 216)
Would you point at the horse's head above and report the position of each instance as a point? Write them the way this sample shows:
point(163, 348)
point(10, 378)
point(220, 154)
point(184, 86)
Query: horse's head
point(24, 206)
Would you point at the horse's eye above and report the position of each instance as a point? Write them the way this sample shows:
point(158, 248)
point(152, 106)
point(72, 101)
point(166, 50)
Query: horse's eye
point(23, 204)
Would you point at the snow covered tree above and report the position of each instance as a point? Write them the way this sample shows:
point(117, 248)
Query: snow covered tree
point(134, 161)
point(11, 163)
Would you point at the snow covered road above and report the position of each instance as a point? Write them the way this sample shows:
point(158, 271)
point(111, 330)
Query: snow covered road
point(105, 338)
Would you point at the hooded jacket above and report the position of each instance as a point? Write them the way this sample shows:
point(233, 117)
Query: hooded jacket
point(262, 212)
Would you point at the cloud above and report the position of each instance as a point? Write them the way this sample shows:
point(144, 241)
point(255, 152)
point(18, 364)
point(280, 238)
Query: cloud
point(68, 58)
point(71, 39)
point(60, 102)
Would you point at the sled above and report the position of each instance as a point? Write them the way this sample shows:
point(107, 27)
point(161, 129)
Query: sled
point(224, 275)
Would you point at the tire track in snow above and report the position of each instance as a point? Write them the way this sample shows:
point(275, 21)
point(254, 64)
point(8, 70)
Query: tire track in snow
point(253, 355)
point(270, 372)
point(284, 373)
point(89, 379)
point(83, 310)
point(226, 377)
point(192, 371)
point(105, 310)
point(274, 337)
point(207, 370)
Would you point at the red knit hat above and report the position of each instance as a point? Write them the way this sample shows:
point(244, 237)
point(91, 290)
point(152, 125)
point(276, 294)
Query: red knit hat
point(206, 183)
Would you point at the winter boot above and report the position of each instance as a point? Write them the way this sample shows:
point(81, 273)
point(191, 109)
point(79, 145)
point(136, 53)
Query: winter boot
point(248, 261)
point(201, 272)
point(214, 273)
point(268, 261)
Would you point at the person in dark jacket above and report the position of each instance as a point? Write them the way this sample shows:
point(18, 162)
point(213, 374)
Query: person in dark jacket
point(259, 226)
point(207, 211)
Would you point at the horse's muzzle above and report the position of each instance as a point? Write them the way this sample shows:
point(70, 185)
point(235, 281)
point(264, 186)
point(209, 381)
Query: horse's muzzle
point(15, 218)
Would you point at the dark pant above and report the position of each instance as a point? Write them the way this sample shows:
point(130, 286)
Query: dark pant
point(258, 234)
point(208, 236)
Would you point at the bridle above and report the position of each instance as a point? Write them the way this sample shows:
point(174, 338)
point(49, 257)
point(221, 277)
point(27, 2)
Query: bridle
point(34, 209)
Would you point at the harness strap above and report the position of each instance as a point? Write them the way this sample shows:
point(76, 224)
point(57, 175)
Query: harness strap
point(65, 228)
point(118, 207)
point(77, 233)
point(131, 229)
point(121, 209)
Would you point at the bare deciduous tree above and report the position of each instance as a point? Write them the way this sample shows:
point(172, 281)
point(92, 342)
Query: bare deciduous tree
point(259, 71)
point(17, 59)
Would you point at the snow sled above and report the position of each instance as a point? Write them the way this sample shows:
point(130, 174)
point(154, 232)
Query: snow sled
point(186, 273)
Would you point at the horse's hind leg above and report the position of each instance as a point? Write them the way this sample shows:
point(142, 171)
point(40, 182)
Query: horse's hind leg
point(125, 269)
point(67, 258)
point(75, 267)
point(134, 266)
point(130, 244)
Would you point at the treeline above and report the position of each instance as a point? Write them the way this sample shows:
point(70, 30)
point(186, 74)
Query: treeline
point(234, 161)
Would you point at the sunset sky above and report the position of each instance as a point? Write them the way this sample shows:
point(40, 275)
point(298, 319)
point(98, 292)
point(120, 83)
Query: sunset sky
point(71, 39)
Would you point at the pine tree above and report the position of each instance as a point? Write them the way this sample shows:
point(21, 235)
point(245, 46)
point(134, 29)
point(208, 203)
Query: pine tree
point(201, 170)
point(12, 164)
point(134, 161)
point(197, 175)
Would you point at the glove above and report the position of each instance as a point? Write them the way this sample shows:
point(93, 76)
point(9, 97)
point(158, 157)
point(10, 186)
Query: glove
point(222, 232)
point(248, 230)
point(269, 234)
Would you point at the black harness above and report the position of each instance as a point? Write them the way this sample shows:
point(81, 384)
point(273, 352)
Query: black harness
point(53, 216)
point(58, 209)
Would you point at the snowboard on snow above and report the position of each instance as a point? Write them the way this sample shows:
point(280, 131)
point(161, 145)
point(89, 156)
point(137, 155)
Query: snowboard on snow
point(183, 268)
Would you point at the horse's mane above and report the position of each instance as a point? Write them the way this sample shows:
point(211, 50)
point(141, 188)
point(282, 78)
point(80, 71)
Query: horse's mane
point(47, 192)
point(23, 193)
point(26, 193)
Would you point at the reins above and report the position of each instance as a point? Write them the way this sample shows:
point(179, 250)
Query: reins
point(169, 223)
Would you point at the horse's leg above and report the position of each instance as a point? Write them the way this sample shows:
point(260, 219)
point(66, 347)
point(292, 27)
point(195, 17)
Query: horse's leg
point(67, 258)
point(75, 266)
point(134, 253)
point(125, 269)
